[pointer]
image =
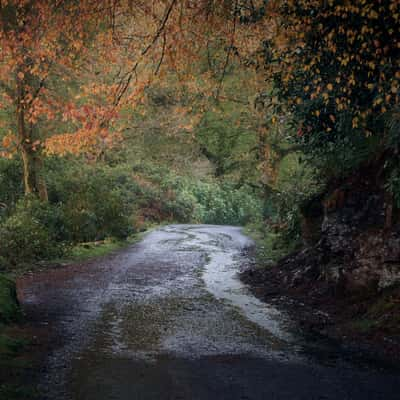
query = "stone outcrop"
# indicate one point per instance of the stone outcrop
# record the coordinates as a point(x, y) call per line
point(345, 282)
point(357, 249)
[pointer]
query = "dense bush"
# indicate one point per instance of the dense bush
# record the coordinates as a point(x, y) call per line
point(334, 96)
point(223, 203)
point(85, 204)
point(93, 202)
point(296, 183)
point(9, 307)
point(30, 233)
point(11, 185)
point(341, 78)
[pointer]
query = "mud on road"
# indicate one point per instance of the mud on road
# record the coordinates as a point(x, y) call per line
point(168, 318)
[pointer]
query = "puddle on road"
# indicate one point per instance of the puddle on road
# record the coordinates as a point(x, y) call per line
point(222, 281)
point(172, 320)
point(220, 277)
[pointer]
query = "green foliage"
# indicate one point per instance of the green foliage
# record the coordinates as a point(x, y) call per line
point(86, 204)
point(393, 185)
point(85, 251)
point(95, 213)
point(93, 199)
point(341, 78)
point(9, 307)
point(223, 203)
point(157, 192)
point(392, 124)
point(227, 137)
point(271, 244)
point(392, 165)
point(25, 235)
point(11, 186)
point(93, 202)
point(296, 183)
point(334, 69)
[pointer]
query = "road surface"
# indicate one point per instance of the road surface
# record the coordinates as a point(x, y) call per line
point(167, 318)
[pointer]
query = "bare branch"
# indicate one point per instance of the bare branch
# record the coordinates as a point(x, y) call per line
point(229, 52)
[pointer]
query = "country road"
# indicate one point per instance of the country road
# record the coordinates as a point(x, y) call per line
point(167, 318)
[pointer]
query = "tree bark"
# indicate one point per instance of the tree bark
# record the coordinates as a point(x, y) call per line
point(34, 182)
point(33, 173)
point(30, 152)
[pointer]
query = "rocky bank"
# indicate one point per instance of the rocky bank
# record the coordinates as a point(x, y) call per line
point(345, 282)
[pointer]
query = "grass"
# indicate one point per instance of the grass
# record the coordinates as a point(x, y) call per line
point(91, 250)
point(87, 251)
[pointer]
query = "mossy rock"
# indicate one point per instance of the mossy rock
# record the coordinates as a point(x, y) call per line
point(9, 306)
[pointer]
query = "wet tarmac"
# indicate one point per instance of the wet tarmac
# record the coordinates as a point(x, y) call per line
point(168, 318)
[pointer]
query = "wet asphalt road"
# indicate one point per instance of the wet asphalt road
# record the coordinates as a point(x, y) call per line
point(168, 319)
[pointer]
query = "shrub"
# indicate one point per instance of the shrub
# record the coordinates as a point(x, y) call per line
point(25, 238)
point(341, 81)
point(94, 202)
point(9, 307)
point(49, 215)
point(224, 204)
point(11, 187)
point(97, 201)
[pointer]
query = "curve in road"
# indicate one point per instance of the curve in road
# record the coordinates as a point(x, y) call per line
point(168, 319)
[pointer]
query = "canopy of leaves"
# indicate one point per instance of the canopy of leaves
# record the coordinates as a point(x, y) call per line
point(338, 71)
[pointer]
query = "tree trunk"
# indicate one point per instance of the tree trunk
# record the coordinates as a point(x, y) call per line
point(33, 179)
point(31, 155)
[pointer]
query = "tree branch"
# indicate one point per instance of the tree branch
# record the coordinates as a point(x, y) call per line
point(126, 80)
point(229, 52)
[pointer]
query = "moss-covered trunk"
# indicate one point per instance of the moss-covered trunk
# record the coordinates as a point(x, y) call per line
point(33, 173)
point(29, 146)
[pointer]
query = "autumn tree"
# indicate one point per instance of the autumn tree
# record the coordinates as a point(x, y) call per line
point(40, 41)
point(102, 59)
point(337, 69)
